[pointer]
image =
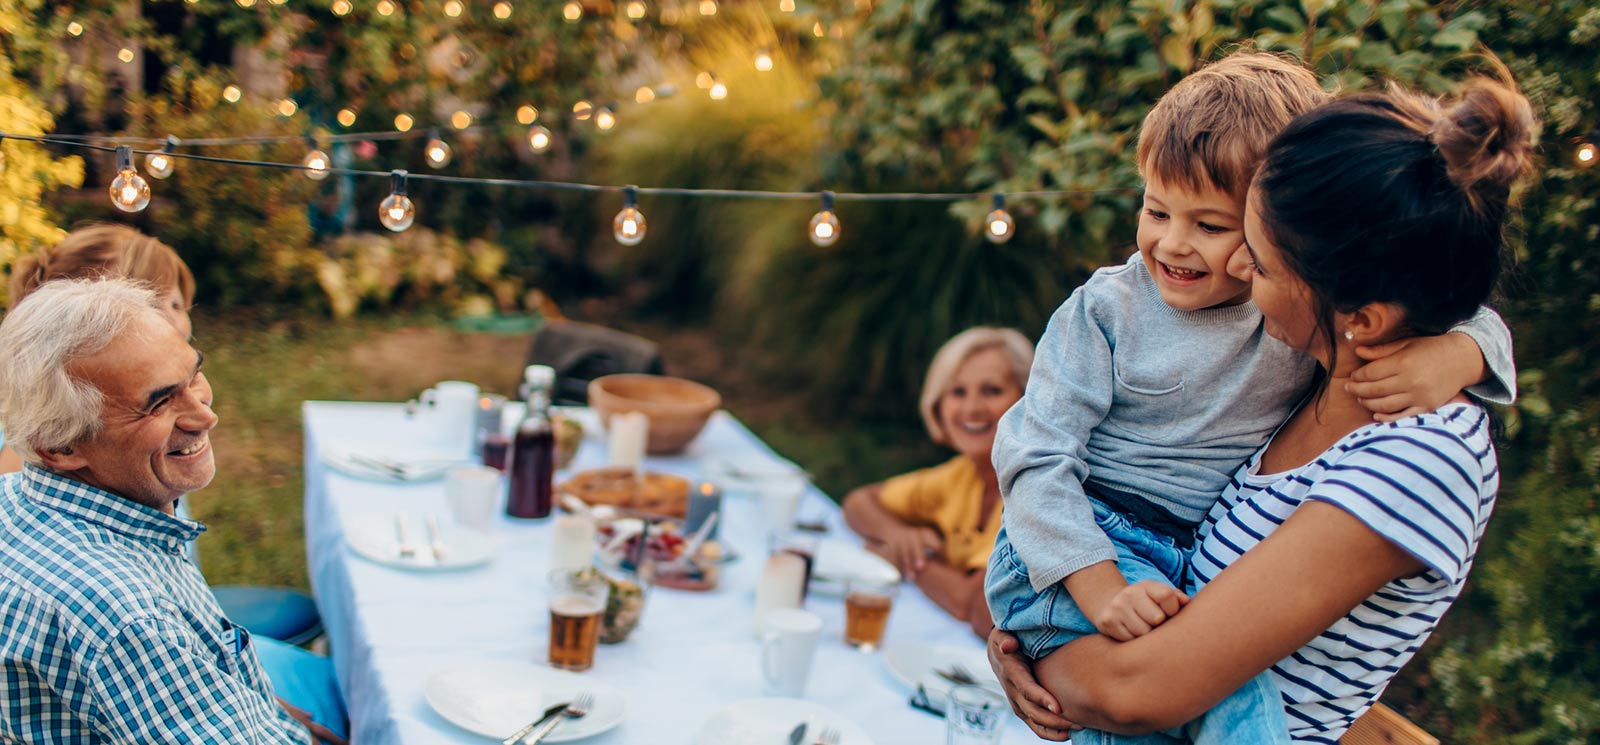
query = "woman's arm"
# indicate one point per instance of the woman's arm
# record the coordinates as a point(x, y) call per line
point(905, 545)
point(1303, 578)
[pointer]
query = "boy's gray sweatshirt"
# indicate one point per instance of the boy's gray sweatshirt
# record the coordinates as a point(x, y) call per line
point(1151, 402)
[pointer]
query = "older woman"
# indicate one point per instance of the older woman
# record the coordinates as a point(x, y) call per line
point(937, 525)
point(1331, 556)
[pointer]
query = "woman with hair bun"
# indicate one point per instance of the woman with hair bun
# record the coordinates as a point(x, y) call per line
point(1330, 558)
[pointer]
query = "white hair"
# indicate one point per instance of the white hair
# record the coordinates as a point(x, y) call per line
point(42, 406)
point(961, 347)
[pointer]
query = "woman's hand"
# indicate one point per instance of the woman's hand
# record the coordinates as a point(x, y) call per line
point(1030, 701)
point(908, 548)
point(1139, 608)
point(1416, 375)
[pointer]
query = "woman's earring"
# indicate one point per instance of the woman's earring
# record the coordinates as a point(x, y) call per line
point(1349, 335)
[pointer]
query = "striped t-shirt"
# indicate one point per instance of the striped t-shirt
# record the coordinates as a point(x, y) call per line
point(1427, 484)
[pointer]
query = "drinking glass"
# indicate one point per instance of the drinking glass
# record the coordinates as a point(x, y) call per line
point(866, 611)
point(473, 493)
point(577, 602)
point(975, 716)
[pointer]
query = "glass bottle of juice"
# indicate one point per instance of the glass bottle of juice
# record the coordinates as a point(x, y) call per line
point(533, 448)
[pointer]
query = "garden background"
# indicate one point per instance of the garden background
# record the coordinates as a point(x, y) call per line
point(821, 350)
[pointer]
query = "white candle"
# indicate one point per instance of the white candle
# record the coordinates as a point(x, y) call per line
point(572, 546)
point(782, 581)
point(630, 430)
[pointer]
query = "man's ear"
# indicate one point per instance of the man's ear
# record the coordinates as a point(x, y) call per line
point(64, 460)
point(1374, 323)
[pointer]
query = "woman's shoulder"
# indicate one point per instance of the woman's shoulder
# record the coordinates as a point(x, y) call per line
point(1455, 432)
point(957, 469)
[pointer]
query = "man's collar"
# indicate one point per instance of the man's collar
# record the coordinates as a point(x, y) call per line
point(103, 508)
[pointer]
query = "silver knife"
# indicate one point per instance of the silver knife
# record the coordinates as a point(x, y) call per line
point(798, 735)
point(435, 543)
point(521, 733)
point(551, 723)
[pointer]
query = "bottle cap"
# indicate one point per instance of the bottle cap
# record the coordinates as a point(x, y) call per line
point(541, 376)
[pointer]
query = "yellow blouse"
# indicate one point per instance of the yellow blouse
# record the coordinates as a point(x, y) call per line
point(947, 498)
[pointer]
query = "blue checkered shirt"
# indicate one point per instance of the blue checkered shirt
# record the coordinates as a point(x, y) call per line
point(108, 635)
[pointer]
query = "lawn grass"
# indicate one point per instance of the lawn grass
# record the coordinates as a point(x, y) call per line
point(263, 363)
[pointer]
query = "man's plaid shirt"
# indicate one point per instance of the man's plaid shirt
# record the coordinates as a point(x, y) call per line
point(108, 634)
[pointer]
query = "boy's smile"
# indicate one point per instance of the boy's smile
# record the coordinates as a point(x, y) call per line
point(1186, 239)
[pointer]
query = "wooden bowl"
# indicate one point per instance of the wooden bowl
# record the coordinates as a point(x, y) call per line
point(677, 409)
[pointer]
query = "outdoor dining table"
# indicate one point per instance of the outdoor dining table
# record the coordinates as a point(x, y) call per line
point(693, 654)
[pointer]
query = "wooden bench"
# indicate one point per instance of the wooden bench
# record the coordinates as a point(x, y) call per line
point(1382, 726)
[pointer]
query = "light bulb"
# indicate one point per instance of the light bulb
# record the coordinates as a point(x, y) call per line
point(572, 11)
point(385, 8)
point(129, 191)
point(75, 28)
point(287, 107)
point(461, 120)
point(645, 94)
point(245, 3)
point(583, 110)
point(998, 226)
point(786, 6)
point(160, 164)
point(628, 227)
point(347, 117)
point(453, 8)
point(718, 91)
point(502, 10)
point(403, 122)
point(437, 151)
point(635, 10)
point(527, 114)
point(396, 212)
point(277, 2)
point(231, 94)
point(764, 60)
point(1588, 153)
point(125, 54)
point(708, 7)
point(604, 119)
point(704, 80)
point(824, 228)
point(538, 138)
point(316, 163)
point(342, 7)
point(817, 30)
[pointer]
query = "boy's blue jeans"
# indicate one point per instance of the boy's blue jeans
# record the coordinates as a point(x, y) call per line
point(1044, 621)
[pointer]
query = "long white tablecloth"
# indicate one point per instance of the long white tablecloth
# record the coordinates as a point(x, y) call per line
point(693, 653)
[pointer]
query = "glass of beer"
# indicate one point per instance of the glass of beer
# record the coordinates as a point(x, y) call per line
point(577, 602)
point(866, 611)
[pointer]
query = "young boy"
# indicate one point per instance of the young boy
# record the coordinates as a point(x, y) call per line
point(1155, 380)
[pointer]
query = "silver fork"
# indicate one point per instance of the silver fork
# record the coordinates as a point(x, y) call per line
point(960, 673)
point(578, 709)
point(829, 736)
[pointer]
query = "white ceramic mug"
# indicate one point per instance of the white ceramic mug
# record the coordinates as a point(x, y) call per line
point(780, 502)
point(449, 414)
point(788, 642)
point(474, 496)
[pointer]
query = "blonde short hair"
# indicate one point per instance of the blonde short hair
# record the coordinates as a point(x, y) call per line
point(1211, 130)
point(1015, 347)
point(103, 249)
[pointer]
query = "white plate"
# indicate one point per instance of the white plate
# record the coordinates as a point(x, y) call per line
point(838, 561)
point(373, 537)
point(496, 698)
point(749, 474)
point(914, 665)
point(368, 463)
point(770, 720)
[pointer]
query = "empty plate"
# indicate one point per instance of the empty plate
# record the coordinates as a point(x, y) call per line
point(771, 720)
point(496, 698)
point(375, 537)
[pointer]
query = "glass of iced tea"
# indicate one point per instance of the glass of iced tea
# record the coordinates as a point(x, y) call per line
point(577, 602)
point(866, 611)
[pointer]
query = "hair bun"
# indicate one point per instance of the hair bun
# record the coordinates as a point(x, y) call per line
point(1487, 139)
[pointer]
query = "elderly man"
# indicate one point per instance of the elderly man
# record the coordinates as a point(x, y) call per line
point(107, 634)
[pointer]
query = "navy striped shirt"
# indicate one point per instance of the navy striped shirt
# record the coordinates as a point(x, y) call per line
point(1427, 484)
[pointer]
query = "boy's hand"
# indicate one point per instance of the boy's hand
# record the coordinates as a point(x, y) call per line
point(908, 548)
point(1140, 607)
point(1417, 375)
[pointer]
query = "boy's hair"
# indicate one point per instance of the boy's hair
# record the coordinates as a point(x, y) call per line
point(1211, 130)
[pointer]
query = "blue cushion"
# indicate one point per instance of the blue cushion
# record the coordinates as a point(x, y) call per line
point(280, 613)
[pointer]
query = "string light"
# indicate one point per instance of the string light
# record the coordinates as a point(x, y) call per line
point(396, 212)
point(502, 10)
point(129, 191)
point(817, 30)
point(527, 114)
point(385, 8)
point(437, 151)
point(538, 138)
point(342, 7)
point(645, 94)
point(787, 6)
point(316, 161)
point(824, 228)
point(635, 9)
point(1588, 152)
point(718, 90)
point(231, 94)
point(628, 227)
point(160, 163)
point(125, 54)
point(708, 7)
point(287, 107)
point(583, 110)
point(245, 3)
point(998, 226)
point(453, 8)
point(605, 119)
point(75, 28)
point(703, 80)
point(277, 2)
point(572, 11)
point(461, 120)
point(764, 60)
point(347, 117)
point(403, 122)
